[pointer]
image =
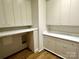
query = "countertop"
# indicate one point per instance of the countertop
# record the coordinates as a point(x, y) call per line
point(12, 32)
point(62, 36)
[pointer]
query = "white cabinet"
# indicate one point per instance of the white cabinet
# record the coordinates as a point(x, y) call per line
point(22, 12)
point(78, 51)
point(66, 49)
point(74, 13)
point(70, 12)
point(11, 45)
point(8, 12)
point(61, 47)
point(53, 12)
point(49, 43)
point(63, 12)
point(70, 49)
point(15, 13)
point(2, 19)
point(58, 12)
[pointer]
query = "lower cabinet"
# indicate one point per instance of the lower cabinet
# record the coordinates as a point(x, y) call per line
point(63, 48)
point(48, 43)
point(78, 51)
point(70, 49)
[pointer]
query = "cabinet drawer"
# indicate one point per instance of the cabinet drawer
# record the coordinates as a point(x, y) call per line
point(64, 48)
point(69, 49)
point(49, 43)
point(59, 47)
point(77, 51)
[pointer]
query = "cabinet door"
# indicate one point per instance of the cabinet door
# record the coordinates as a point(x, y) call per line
point(2, 17)
point(1, 49)
point(22, 12)
point(53, 12)
point(78, 51)
point(65, 12)
point(49, 43)
point(17, 12)
point(70, 49)
point(11, 45)
point(26, 12)
point(8, 12)
point(74, 13)
point(59, 48)
point(70, 12)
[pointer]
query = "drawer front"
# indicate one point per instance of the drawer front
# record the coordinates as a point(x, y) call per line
point(49, 43)
point(59, 47)
point(77, 51)
point(66, 49)
point(70, 49)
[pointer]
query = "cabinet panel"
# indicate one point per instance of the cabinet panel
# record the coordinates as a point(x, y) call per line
point(49, 43)
point(78, 51)
point(11, 45)
point(2, 18)
point(28, 12)
point(58, 12)
point(17, 12)
point(64, 48)
point(70, 12)
point(53, 12)
point(23, 8)
point(22, 12)
point(8, 12)
point(70, 49)
point(59, 47)
point(74, 13)
point(65, 12)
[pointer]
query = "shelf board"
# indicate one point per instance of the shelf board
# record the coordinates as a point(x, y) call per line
point(12, 32)
point(62, 36)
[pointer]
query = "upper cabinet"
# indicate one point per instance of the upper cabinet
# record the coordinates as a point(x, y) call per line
point(22, 12)
point(63, 12)
point(53, 12)
point(2, 19)
point(15, 13)
point(8, 12)
point(74, 13)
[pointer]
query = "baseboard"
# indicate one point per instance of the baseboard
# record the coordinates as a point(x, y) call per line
point(55, 53)
point(36, 50)
point(41, 50)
